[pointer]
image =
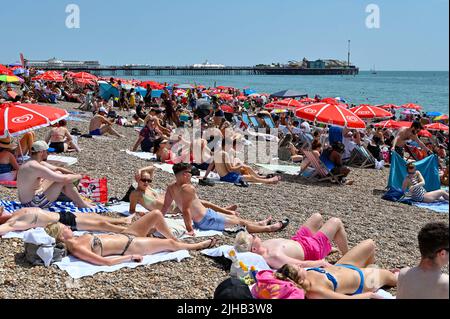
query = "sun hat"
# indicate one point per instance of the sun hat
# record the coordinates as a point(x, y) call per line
point(7, 143)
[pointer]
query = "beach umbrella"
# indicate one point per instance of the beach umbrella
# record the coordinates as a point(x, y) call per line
point(331, 114)
point(424, 133)
point(411, 106)
point(433, 114)
point(85, 75)
point(249, 91)
point(388, 124)
point(365, 111)
point(278, 111)
point(242, 98)
point(16, 118)
point(441, 118)
point(153, 85)
point(5, 70)
point(307, 100)
point(389, 106)
point(10, 78)
point(225, 96)
point(84, 81)
point(107, 90)
point(227, 108)
point(179, 92)
point(289, 94)
point(51, 76)
point(289, 104)
point(436, 127)
point(331, 100)
point(410, 112)
point(19, 71)
point(184, 86)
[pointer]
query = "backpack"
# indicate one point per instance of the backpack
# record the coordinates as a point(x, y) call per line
point(59, 252)
point(269, 287)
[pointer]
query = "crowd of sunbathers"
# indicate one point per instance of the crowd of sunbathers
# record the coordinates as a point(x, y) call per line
point(300, 260)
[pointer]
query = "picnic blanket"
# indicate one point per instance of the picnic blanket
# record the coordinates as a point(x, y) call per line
point(142, 155)
point(285, 169)
point(11, 206)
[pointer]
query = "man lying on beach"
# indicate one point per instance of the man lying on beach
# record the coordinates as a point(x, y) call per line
point(33, 193)
point(231, 171)
point(27, 218)
point(307, 248)
point(130, 245)
point(203, 214)
point(151, 200)
point(100, 125)
point(406, 134)
point(426, 281)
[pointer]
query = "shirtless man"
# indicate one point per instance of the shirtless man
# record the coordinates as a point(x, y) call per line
point(27, 218)
point(33, 193)
point(426, 281)
point(230, 171)
point(152, 200)
point(203, 214)
point(100, 125)
point(406, 134)
point(307, 248)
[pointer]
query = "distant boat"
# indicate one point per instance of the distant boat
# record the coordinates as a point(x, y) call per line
point(373, 71)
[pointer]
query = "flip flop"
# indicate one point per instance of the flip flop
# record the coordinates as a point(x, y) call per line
point(284, 224)
point(212, 244)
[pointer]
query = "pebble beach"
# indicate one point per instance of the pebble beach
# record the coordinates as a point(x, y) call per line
point(392, 226)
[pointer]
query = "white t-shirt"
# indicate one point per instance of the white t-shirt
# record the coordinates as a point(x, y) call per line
point(349, 147)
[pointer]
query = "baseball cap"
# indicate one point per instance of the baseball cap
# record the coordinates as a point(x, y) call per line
point(39, 146)
point(102, 110)
point(232, 288)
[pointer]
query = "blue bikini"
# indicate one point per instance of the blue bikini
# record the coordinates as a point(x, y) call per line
point(333, 280)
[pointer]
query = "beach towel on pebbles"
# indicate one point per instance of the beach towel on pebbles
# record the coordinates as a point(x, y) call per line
point(77, 268)
point(57, 207)
point(142, 155)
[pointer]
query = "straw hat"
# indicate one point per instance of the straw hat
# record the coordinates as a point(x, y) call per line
point(7, 143)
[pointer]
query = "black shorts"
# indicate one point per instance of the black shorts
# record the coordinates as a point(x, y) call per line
point(58, 146)
point(68, 219)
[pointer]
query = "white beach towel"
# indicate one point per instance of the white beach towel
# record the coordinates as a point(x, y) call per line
point(142, 155)
point(286, 169)
point(62, 161)
point(102, 138)
point(77, 268)
point(123, 208)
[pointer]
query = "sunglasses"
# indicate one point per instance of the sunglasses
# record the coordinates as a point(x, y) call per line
point(146, 180)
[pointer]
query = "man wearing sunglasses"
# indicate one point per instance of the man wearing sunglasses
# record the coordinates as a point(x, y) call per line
point(204, 215)
point(426, 281)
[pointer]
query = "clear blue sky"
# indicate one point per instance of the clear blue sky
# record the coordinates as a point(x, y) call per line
point(413, 34)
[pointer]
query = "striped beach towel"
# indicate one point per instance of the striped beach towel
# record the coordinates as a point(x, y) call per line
point(56, 207)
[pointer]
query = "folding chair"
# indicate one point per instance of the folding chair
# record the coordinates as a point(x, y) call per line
point(322, 172)
point(254, 122)
point(361, 158)
point(269, 122)
point(246, 119)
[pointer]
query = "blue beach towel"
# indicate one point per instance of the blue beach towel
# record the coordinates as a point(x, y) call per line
point(56, 207)
point(429, 167)
point(439, 207)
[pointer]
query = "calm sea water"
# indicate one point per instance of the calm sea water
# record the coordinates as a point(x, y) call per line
point(429, 89)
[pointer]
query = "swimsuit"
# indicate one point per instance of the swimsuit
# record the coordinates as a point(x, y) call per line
point(58, 146)
point(40, 200)
point(232, 177)
point(315, 246)
point(96, 132)
point(418, 193)
point(97, 242)
point(68, 219)
point(211, 221)
point(6, 168)
point(333, 280)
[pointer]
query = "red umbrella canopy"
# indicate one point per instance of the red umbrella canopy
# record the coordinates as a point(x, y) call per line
point(290, 104)
point(85, 81)
point(154, 85)
point(16, 118)
point(389, 106)
point(85, 75)
point(307, 100)
point(224, 96)
point(365, 111)
point(411, 106)
point(388, 124)
point(242, 98)
point(436, 127)
point(5, 70)
point(332, 114)
point(227, 108)
point(52, 76)
point(425, 133)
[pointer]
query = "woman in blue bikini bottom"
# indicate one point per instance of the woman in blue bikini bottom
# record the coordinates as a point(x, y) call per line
point(350, 278)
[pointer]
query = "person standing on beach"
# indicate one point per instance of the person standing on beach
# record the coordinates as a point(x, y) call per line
point(426, 281)
point(33, 193)
point(205, 215)
point(406, 134)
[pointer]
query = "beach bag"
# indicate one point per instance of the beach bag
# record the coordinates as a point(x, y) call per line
point(395, 194)
point(269, 287)
point(31, 255)
point(96, 189)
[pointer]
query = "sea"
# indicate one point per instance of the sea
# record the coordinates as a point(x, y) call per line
point(429, 89)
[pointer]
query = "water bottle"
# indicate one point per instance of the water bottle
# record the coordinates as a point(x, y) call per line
point(235, 264)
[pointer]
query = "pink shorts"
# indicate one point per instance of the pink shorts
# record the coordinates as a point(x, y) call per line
point(315, 247)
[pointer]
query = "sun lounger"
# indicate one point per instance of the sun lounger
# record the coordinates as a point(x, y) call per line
point(269, 122)
point(361, 158)
point(322, 172)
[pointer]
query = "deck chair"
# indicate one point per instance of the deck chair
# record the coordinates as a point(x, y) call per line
point(361, 158)
point(254, 122)
point(269, 122)
point(246, 119)
point(322, 172)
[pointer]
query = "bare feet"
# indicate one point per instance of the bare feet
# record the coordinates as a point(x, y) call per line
point(232, 208)
point(207, 244)
point(274, 180)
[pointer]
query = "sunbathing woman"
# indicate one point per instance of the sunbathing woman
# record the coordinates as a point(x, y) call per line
point(414, 183)
point(130, 245)
point(60, 139)
point(8, 163)
point(350, 278)
point(151, 200)
point(27, 218)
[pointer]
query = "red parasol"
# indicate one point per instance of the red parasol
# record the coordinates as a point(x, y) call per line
point(365, 111)
point(436, 127)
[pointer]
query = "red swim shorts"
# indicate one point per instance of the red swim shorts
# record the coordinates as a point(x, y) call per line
point(315, 246)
